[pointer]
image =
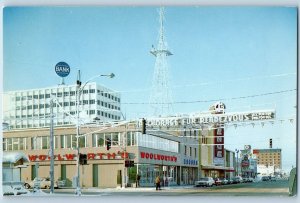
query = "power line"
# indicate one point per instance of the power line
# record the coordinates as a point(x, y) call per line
point(220, 99)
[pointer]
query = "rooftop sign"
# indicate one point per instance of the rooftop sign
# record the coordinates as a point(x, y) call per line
point(62, 69)
point(212, 118)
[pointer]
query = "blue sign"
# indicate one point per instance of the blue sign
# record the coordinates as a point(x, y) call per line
point(62, 69)
point(190, 162)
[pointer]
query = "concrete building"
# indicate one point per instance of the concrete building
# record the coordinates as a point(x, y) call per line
point(268, 157)
point(31, 108)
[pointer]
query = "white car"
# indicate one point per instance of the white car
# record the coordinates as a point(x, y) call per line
point(207, 182)
point(44, 183)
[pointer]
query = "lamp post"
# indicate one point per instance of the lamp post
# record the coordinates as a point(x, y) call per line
point(79, 90)
point(237, 161)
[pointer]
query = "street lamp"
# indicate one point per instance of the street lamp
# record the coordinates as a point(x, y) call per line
point(79, 90)
point(237, 161)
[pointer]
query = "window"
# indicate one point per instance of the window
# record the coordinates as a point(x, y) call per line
point(115, 139)
point(66, 103)
point(59, 94)
point(91, 112)
point(72, 103)
point(190, 151)
point(47, 95)
point(195, 151)
point(92, 101)
point(92, 90)
point(85, 91)
point(66, 94)
point(18, 98)
point(185, 149)
point(72, 93)
point(98, 140)
point(41, 96)
point(85, 102)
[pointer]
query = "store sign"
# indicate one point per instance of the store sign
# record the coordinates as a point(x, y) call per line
point(190, 162)
point(71, 157)
point(211, 118)
point(219, 146)
point(160, 157)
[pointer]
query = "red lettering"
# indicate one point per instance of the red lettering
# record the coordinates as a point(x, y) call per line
point(91, 156)
point(100, 155)
point(69, 156)
point(59, 157)
point(142, 155)
point(32, 157)
point(113, 155)
point(124, 155)
point(162, 157)
point(155, 156)
point(151, 156)
point(158, 157)
point(147, 155)
point(42, 157)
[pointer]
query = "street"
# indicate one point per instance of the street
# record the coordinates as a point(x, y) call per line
point(264, 188)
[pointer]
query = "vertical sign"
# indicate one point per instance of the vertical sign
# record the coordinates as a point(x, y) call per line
point(219, 146)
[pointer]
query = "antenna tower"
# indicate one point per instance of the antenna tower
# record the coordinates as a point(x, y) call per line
point(161, 95)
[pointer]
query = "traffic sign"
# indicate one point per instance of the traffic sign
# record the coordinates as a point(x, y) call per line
point(62, 69)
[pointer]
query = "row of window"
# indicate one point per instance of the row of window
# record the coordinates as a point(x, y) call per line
point(64, 104)
point(98, 140)
point(190, 151)
point(66, 94)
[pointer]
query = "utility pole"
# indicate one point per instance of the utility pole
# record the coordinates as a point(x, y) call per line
point(51, 148)
point(78, 91)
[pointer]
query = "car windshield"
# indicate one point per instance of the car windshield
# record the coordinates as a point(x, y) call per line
point(203, 179)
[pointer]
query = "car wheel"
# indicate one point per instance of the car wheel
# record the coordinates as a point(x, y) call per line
point(47, 186)
point(26, 185)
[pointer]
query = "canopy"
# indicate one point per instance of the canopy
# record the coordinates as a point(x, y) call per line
point(14, 157)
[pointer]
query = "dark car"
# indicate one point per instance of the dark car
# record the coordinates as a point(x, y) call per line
point(217, 181)
point(265, 178)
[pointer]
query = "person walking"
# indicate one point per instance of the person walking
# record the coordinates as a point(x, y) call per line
point(137, 180)
point(157, 183)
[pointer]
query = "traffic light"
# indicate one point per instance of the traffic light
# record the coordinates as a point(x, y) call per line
point(82, 159)
point(143, 126)
point(271, 144)
point(129, 163)
point(108, 144)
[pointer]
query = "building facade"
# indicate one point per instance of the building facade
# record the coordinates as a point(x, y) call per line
point(268, 157)
point(31, 108)
point(173, 158)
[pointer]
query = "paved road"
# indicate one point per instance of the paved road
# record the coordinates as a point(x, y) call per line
point(277, 188)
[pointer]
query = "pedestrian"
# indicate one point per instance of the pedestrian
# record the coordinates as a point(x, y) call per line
point(157, 183)
point(137, 180)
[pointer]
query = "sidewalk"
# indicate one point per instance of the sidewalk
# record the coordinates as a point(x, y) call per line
point(133, 189)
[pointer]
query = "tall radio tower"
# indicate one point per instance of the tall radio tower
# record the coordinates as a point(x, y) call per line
point(161, 95)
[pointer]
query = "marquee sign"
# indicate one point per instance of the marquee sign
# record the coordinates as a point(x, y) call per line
point(219, 146)
point(211, 118)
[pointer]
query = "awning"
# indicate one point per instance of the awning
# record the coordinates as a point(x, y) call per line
point(221, 168)
point(14, 157)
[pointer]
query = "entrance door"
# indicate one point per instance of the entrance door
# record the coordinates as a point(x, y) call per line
point(119, 177)
point(95, 175)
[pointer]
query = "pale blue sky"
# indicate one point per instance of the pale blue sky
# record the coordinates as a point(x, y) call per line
point(219, 53)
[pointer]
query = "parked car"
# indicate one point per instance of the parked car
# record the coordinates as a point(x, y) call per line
point(273, 178)
point(265, 178)
point(224, 181)
point(207, 182)
point(237, 179)
point(44, 183)
point(230, 181)
point(218, 181)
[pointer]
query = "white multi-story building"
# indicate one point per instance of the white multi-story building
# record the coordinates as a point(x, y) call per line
point(31, 108)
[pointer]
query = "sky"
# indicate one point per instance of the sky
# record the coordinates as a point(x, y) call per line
point(245, 57)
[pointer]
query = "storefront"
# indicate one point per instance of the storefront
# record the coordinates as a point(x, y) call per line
point(152, 156)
